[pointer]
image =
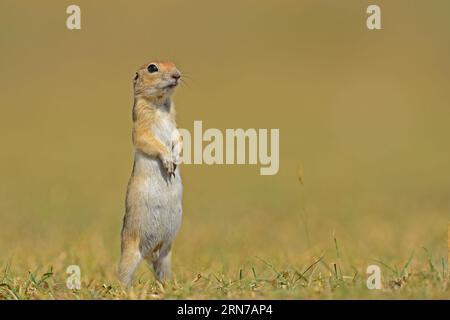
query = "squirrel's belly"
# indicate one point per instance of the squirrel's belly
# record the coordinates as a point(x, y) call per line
point(158, 201)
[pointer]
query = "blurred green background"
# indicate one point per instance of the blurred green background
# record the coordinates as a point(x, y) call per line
point(364, 113)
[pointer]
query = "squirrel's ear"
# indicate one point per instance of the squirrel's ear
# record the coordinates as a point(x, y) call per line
point(136, 76)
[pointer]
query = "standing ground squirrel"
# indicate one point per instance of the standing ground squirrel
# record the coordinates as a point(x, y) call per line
point(153, 201)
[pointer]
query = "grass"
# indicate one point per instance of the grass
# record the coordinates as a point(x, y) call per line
point(321, 277)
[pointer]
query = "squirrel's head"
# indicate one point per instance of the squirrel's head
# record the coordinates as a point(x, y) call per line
point(156, 80)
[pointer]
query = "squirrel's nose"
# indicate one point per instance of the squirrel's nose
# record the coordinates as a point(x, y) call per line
point(176, 75)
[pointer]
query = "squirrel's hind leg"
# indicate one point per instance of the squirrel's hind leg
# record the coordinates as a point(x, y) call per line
point(129, 261)
point(162, 264)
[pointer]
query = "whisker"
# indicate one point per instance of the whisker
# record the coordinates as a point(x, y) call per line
point(184, 82)
point(183, 73)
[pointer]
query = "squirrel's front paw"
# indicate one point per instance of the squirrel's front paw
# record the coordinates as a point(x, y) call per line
point(176, 156)
point(177, 148)
point(169, 165)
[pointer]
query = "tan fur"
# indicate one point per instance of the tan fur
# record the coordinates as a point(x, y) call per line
point(153, 201)
point(143, 139)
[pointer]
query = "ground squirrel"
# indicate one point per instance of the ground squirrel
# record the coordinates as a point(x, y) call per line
point(153, 201)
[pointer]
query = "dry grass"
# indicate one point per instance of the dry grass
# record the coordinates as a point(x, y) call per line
point(418, 278)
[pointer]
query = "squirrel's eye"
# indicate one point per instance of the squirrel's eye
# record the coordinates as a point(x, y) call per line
point(152, 68)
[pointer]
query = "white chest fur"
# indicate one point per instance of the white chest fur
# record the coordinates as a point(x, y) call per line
point(164, 128)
